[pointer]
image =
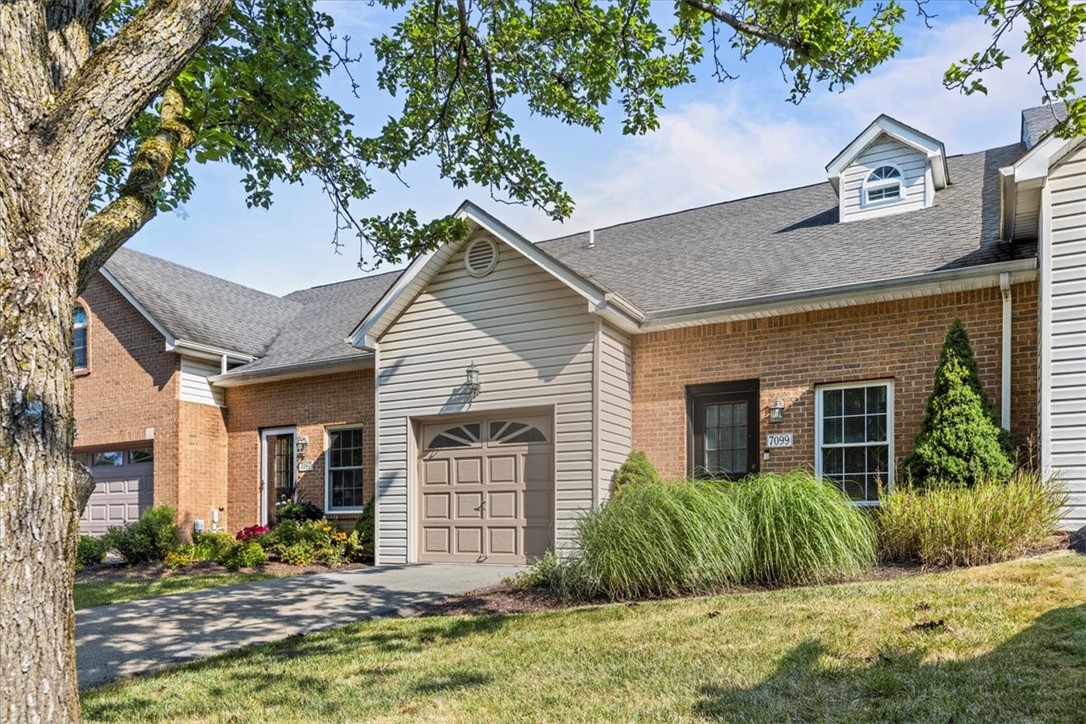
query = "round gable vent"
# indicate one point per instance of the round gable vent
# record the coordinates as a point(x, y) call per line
point(481, 256)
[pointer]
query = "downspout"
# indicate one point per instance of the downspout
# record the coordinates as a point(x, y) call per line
point(1005, 387)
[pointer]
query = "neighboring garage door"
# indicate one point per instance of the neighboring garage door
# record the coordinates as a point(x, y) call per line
point(487, 490)
point(124, 485)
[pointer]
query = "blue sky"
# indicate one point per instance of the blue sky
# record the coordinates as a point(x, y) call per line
point(716, 142)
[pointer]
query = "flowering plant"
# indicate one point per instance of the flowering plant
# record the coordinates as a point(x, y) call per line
point(253, 531)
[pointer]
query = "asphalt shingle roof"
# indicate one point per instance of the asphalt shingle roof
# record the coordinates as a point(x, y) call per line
point(792, 241)
point(202, 308)
point(1037, 122)
point(328, 314)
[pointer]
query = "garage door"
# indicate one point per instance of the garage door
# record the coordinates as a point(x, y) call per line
point(487, 490)
point(124, 485)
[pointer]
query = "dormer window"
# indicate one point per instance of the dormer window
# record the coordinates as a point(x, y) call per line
point(79, 339)
point(883, 185)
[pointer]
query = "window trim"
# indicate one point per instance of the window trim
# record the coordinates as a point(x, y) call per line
point(86, 338)
point(889, 385)
point(869, 185)
point(328, 430)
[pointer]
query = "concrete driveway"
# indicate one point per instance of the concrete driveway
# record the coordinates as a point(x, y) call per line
point(125, 639)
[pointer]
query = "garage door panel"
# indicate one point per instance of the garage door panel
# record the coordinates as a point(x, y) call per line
point(503, 469)
point(435, 472)
point(436, 540)
point(538, 469)
point(502, 505)
point(436, 506)
point(503, 541)
point(469, 471)
point(469, 506)
point(469, 541)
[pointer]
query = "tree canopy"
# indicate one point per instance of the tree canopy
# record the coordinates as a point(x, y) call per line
point(253, 95)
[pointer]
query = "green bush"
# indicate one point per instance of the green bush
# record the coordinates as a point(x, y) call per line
point(366, 530)
point(91, 552)
point(298, 511)
point(150, 539)
point(663, 539)
point(960, 441)
point(637, 469)
point(804, 530)
point(244, 554)
point(953, 526)
point(562, 578)
point(312, 541)
point(206, 546)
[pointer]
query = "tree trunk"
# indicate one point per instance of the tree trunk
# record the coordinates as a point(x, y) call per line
point(38, 478)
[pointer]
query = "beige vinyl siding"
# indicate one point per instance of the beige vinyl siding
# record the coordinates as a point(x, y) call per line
point(885, 150)
point(532, 339)
point(194, 385)
point(614, 407)
point(1026, 214)
point(1066, 265)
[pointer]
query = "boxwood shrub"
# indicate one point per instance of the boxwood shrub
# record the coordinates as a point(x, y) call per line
point(148, 540)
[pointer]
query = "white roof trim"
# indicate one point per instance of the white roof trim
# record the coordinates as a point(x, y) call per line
point(1029, 173)
point(885, 125)
point(608, 305)
point(171, 342)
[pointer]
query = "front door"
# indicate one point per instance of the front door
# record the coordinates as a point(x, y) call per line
point(277, 471)
point(724, 430)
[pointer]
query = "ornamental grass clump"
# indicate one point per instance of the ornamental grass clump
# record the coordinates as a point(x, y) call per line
point(947, 525)
point(804, 530)
point(662, 539)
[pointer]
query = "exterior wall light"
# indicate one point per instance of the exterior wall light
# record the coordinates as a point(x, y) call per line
point(472, 382)
point(776, 411)
point(301, 444)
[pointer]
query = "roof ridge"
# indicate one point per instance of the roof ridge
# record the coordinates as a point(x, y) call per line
point(342, 281)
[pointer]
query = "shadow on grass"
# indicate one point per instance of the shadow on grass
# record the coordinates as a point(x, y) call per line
point(252, 674)
point(1037, 675)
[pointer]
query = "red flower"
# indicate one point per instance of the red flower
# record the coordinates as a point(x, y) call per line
point(253, 531)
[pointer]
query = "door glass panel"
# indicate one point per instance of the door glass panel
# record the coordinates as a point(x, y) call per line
point(725, 438)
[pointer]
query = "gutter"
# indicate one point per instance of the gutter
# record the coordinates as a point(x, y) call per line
point(843, 295)
point(241, 377)
point(1005, 380)
point(207, 351)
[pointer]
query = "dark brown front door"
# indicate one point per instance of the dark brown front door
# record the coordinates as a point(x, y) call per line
point(724, 429)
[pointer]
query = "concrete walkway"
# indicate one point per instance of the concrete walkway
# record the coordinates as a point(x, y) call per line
point(125, 639)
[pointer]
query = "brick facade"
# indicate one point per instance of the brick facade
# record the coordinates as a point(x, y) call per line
point(790, 355)
point(130, 388)
point(309, 404)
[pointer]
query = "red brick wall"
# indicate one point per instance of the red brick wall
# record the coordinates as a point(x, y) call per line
point(310, 404)
point(130, 385)
point(202, 464)
point(791, 354)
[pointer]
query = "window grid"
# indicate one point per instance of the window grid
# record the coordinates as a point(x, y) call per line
point(344, 465)
point(855, 438)
point(726, 438)
point(883, 184)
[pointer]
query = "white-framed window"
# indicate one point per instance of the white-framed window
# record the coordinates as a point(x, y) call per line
point(343, 473)
point(883, 185)
point(854, 437)
point(79, 339)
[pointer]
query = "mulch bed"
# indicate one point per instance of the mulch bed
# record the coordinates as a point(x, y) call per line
point(503, 599)
point(144, 571)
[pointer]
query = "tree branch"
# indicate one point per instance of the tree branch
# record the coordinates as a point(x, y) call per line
point(69, 24)
point(106, 231)
point(24, 72)
point(742, 26)
point(120, 78)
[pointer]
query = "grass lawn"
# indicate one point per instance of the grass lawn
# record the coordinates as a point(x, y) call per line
point(998, 643)
point(99, 593)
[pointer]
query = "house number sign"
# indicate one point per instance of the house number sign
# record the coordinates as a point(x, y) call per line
point(778, 439)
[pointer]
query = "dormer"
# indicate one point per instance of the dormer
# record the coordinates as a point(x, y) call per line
point(890, 168)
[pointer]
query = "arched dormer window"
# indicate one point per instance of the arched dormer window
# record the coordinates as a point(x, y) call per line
point(79, 339)
point(883, 185)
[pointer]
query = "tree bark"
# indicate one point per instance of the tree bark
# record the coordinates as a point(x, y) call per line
point(63, 105)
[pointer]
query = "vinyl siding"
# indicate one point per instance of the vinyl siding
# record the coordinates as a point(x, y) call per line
point(194, 384)
point(532, 339)
point(615, 406)
point(914, 169)
point(1066, 265)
